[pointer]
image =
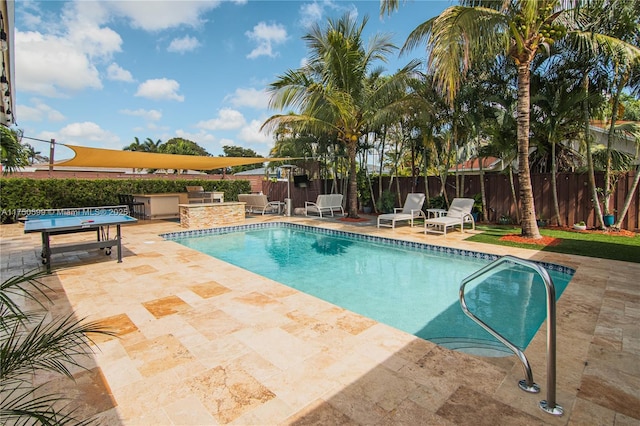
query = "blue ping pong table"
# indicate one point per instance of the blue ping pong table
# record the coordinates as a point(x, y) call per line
point(70, 221)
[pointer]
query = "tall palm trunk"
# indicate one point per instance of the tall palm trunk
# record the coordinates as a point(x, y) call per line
point(627, 201)
point(516, 202)
point(587, 137)
point(529, 225)
point(610, 139)
point(352, 208)
point(483, 192)
point(554, 184)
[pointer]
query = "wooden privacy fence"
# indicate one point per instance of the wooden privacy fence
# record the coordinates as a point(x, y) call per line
point(574, 197)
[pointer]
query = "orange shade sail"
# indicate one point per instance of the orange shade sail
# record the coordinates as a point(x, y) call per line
point(99, 157)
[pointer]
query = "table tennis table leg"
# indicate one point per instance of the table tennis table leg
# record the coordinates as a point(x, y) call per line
point(119, 238)
point(46, 251)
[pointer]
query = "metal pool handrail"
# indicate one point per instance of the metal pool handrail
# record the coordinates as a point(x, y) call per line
point(549, 405)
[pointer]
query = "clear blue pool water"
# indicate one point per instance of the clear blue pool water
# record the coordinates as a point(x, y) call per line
point(410, 286)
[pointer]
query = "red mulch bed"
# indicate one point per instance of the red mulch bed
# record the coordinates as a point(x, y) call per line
point(551, 241)
point(544, 241)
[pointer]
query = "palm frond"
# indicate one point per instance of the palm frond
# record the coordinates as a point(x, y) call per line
point(26, 285)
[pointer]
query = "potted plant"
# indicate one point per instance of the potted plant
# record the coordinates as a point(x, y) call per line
point(608, 219)
point(580, 226)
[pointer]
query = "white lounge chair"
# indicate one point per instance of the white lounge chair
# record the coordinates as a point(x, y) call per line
point(326, 203)
point(458, 214)
point(411, 210)
point(259, 203)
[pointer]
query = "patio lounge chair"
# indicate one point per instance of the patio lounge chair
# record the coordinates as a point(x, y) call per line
point(259, 203)
point(326, 203)
point(412, 209)
point(458, 214)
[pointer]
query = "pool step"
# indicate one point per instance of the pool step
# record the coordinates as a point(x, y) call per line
point(480, 347)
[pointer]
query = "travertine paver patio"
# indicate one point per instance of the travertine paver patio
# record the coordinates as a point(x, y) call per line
point(202, 342)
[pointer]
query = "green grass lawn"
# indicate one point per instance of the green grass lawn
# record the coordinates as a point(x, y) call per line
point(605, 246)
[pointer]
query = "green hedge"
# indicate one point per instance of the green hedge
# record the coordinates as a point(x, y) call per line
point(25, 194)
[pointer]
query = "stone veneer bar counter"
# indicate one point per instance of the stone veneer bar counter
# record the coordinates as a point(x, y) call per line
point(206, 215)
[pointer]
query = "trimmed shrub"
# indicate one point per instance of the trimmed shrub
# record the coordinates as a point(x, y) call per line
point(20, 195)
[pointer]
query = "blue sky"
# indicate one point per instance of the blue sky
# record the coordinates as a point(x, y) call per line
point(99, 73)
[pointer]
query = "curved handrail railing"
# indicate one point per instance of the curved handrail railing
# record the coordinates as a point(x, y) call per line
point(549, 405)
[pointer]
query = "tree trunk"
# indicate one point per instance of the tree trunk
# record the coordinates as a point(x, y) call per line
point(627, 201)
point(587, 137)
point(516, 203)
point(483, 191)
point(383, 138)
point(554, 184)
point(614, 117)
point(352, 207)
point(529, 224)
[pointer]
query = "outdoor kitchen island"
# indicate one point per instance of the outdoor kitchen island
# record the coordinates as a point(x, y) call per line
point(206, 215)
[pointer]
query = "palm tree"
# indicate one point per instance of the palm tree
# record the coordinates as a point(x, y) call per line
point(607, 41)
point(151, 146)
point(13, 154)
point(333, 93)
point(616, 24)
point(557, 110)
point(502, 127)
point(134, 146)
point(464, 34)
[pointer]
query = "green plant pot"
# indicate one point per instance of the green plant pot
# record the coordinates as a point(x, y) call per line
point(608, 219)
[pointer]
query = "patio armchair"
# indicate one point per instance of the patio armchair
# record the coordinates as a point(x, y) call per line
point(259, 203)
point(325, 203)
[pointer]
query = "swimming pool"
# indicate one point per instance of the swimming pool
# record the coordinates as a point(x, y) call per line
point(410, 286)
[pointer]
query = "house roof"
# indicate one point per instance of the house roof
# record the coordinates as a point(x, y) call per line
point(489, 164)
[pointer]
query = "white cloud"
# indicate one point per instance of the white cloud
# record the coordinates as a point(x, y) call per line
point(310, 13)
point(184, 44)
point(151, 15)
point(249, 97)
point(252, 134)
point(38, 112)
point(117, 73)
point(51, 66)
point(150, 115)
point(60, 55)
point(160, 89)
point(228, 119)
point(266, 36)
point(83, 25)
point(86, 133)
point(200, 138)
